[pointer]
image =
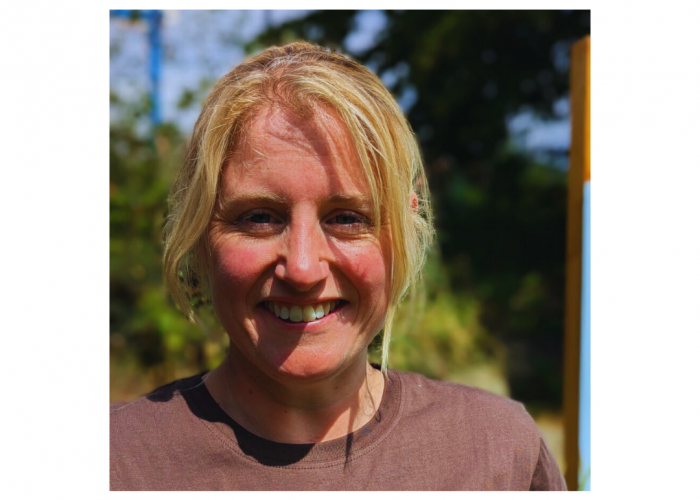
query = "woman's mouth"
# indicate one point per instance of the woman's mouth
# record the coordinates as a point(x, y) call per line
point(293, 313)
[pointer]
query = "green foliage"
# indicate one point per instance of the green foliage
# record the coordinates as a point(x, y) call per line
point(438, 332)
point(146, 329)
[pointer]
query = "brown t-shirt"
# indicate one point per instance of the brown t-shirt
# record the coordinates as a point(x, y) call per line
point(426, 435)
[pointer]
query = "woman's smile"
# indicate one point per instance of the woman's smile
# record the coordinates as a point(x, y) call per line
point(303, 313)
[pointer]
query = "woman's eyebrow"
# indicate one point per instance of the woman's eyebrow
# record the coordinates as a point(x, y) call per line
point(254, 198)
point(262, 198)
point(358, 199)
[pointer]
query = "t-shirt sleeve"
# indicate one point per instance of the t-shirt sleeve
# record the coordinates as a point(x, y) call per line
point(547, 476)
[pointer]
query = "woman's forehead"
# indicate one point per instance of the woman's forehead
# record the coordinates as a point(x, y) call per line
point(278, 131)
point(282, 149)
point(278, 136)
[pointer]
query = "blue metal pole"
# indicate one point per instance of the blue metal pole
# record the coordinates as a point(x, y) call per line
point(125, 14)
point(154, 18)
point(584, 437)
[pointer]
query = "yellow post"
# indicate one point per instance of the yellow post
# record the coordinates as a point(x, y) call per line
point(579, 173)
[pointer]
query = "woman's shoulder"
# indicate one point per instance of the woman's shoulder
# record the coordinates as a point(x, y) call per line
point(472, 407)
point(439, 391)
point(163, 394)
point(492, 433)
point(149, 414)
point(154, 433)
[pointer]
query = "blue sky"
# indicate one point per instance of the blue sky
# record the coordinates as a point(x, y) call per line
point(201, 46)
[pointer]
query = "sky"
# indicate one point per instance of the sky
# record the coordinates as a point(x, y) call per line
point(194, 57)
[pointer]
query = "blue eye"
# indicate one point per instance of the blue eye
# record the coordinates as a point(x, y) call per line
point(347, 219)
point(349, 223)
point(257, 221)
point(260, 218)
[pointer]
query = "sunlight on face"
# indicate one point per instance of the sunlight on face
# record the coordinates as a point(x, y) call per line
point(299, 279)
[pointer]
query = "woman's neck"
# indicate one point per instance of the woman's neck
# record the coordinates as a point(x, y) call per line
point(297, 411)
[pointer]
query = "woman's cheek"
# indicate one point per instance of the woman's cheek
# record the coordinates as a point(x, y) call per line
point(239, 266)
point(368, 268)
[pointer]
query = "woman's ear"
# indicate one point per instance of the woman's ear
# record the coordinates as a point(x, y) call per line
point(413, 200)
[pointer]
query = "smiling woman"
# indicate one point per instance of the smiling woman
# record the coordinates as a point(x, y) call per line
point(303, 210)
point(295, 233)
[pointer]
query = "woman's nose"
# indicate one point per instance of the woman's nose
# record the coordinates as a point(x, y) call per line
point(304, 264)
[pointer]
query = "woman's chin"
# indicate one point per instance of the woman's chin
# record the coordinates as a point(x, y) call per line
point(308, 366)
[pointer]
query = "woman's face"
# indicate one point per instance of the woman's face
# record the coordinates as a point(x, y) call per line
point(299, 280)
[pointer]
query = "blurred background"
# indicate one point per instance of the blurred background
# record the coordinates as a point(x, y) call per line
point(486, 93)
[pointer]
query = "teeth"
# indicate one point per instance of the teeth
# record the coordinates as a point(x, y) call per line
point(284, 313)
point(295, 314)
point(309, 313)
point(302, 313)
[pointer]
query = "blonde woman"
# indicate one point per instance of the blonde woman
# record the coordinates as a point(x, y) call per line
point(302, 209)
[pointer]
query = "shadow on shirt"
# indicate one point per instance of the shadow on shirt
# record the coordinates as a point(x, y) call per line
point(201, 403)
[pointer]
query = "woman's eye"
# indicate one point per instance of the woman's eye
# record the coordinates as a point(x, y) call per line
point(346, 219)
point(349, 222)
point(257, 221)
point(260, 218)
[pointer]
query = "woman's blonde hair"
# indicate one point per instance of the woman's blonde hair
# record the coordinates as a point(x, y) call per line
point(300, 77)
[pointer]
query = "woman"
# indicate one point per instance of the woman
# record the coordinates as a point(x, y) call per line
point(302, 209)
